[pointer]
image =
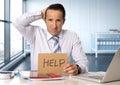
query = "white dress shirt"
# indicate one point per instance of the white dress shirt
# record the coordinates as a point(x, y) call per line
point(39, 41)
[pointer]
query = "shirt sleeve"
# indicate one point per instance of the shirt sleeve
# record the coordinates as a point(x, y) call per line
point(78, 55)
point(23, 24)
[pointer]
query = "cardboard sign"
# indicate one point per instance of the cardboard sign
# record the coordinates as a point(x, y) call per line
point(51, 62)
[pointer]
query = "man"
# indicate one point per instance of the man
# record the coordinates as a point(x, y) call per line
point(40, 39)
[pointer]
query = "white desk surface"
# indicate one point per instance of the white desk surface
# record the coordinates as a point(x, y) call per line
point(66, 81)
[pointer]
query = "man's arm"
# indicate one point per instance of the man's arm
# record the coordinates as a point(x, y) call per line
point(79, 56)
point(23, 24)
point(80, 62)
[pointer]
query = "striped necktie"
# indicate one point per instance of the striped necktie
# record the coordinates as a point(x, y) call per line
point(56, 48)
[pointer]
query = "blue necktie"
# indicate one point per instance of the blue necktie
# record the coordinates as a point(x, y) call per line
point(56, 48)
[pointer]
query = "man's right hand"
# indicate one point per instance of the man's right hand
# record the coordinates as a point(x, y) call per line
point(43, 13)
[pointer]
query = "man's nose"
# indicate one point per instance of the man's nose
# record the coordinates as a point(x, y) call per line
point(54, 24)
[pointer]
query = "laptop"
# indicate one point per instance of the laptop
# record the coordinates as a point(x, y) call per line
point(112, 73)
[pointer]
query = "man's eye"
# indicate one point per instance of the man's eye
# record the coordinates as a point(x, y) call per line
point(49, 19)
point(58, 20)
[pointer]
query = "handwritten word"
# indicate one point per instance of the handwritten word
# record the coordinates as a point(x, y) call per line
point(53, 62)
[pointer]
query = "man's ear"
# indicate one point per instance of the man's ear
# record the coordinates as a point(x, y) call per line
point(64, 21)
point(44, 20)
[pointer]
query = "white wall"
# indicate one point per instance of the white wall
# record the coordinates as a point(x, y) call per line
point(84, 16)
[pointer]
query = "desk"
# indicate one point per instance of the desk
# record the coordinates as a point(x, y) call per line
point(66, 81)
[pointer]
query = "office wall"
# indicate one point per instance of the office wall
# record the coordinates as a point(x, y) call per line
point(84, 16)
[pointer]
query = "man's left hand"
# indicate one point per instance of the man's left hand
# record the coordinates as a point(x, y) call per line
point(71, 69)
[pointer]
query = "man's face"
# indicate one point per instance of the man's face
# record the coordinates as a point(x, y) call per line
point(54, 21)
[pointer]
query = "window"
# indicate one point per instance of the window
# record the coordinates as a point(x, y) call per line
point(11, 41)
point(2, 9)
point(1, 30)
point(1, 41)
point(16, 37)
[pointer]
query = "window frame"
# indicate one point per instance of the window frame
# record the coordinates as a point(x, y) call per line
point(8, 61)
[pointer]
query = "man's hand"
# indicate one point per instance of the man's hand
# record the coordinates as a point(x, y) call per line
point(71, 69)
point(43, 13)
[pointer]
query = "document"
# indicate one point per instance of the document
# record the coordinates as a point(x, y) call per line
point(50, 76)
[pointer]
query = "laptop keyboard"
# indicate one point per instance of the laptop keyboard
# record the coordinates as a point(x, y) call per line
point(96, 77)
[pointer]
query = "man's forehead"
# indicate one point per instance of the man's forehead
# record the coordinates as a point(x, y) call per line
point(53, 10)
point(54, 13)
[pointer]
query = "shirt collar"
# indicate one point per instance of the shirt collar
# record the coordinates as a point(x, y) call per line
point(49, 35)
